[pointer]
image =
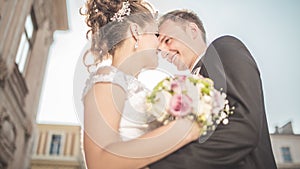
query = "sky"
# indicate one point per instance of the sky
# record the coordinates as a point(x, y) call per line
point(270, 30)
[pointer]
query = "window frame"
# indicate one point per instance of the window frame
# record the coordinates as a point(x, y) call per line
point(22, 58)
point(57, 151)
point(286, 154)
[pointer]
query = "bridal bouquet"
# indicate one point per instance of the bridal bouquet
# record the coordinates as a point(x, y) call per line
point(191, 97)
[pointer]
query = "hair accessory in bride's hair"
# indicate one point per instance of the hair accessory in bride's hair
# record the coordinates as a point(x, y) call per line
point(124, 11)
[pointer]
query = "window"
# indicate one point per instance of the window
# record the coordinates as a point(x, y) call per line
point(286, 154)
point(26, 42)
point(55, 144)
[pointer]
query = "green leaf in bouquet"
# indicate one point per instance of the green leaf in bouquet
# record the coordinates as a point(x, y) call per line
point(206, 83)
point(194, 80)
point(151, 98)
point(160, 85)
point(201, 119)
point(205, 90)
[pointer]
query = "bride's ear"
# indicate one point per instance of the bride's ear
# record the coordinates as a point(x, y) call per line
point(134, 30)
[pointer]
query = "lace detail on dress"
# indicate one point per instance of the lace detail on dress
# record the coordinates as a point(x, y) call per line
point(105, 74)
point(134, 121)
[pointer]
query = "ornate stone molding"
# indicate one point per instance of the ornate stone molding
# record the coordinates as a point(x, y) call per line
point(3, 71)
point(43, 11)
point(54, 11)
point(17, 89)
point(8, 135)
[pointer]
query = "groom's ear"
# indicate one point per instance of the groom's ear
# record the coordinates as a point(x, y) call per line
point(193, 30)
point(134, 30)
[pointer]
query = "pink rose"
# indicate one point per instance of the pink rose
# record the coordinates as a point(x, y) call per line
point(180, 105)
point(181, 78)
point(175, 87)
point(178, 85)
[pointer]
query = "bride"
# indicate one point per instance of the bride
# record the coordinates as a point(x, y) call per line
point(118, 133)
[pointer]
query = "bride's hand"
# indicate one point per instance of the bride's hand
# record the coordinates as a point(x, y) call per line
point(195, 131)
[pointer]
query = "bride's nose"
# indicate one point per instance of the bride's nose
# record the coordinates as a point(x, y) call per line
point(164, 54)
point(163, 48)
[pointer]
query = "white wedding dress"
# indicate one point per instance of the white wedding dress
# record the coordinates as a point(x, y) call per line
point(135, 121)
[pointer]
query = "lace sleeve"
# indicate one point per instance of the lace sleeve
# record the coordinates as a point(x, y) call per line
point(105, 74)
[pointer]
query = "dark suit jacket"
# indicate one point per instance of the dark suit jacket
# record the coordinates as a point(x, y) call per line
point(244, 143)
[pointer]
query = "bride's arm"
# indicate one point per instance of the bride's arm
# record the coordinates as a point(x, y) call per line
point(102, 144)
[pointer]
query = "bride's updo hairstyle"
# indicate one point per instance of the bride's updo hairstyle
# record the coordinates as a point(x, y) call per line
point(107, 34)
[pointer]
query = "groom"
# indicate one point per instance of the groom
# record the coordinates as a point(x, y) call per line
point(242, 144)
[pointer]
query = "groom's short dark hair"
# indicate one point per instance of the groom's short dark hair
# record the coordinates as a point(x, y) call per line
point(183, 16)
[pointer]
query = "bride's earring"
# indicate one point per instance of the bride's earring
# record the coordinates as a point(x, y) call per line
point(136, 45)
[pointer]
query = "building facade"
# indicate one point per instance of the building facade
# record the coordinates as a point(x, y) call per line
point(286, 147)
point(26, 33)
point(57, 147)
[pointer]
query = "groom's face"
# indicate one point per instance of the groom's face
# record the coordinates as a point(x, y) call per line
point(174, 44)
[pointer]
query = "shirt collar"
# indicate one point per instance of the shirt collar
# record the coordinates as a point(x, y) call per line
point(197, 60)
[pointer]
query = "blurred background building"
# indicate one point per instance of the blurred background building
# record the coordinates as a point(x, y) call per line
point(57, 147)
point(26, 33)
point(286, 147)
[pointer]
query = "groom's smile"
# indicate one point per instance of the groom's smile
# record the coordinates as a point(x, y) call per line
point(174, 44)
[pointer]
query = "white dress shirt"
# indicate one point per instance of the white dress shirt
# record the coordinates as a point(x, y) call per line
point(197, 71)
